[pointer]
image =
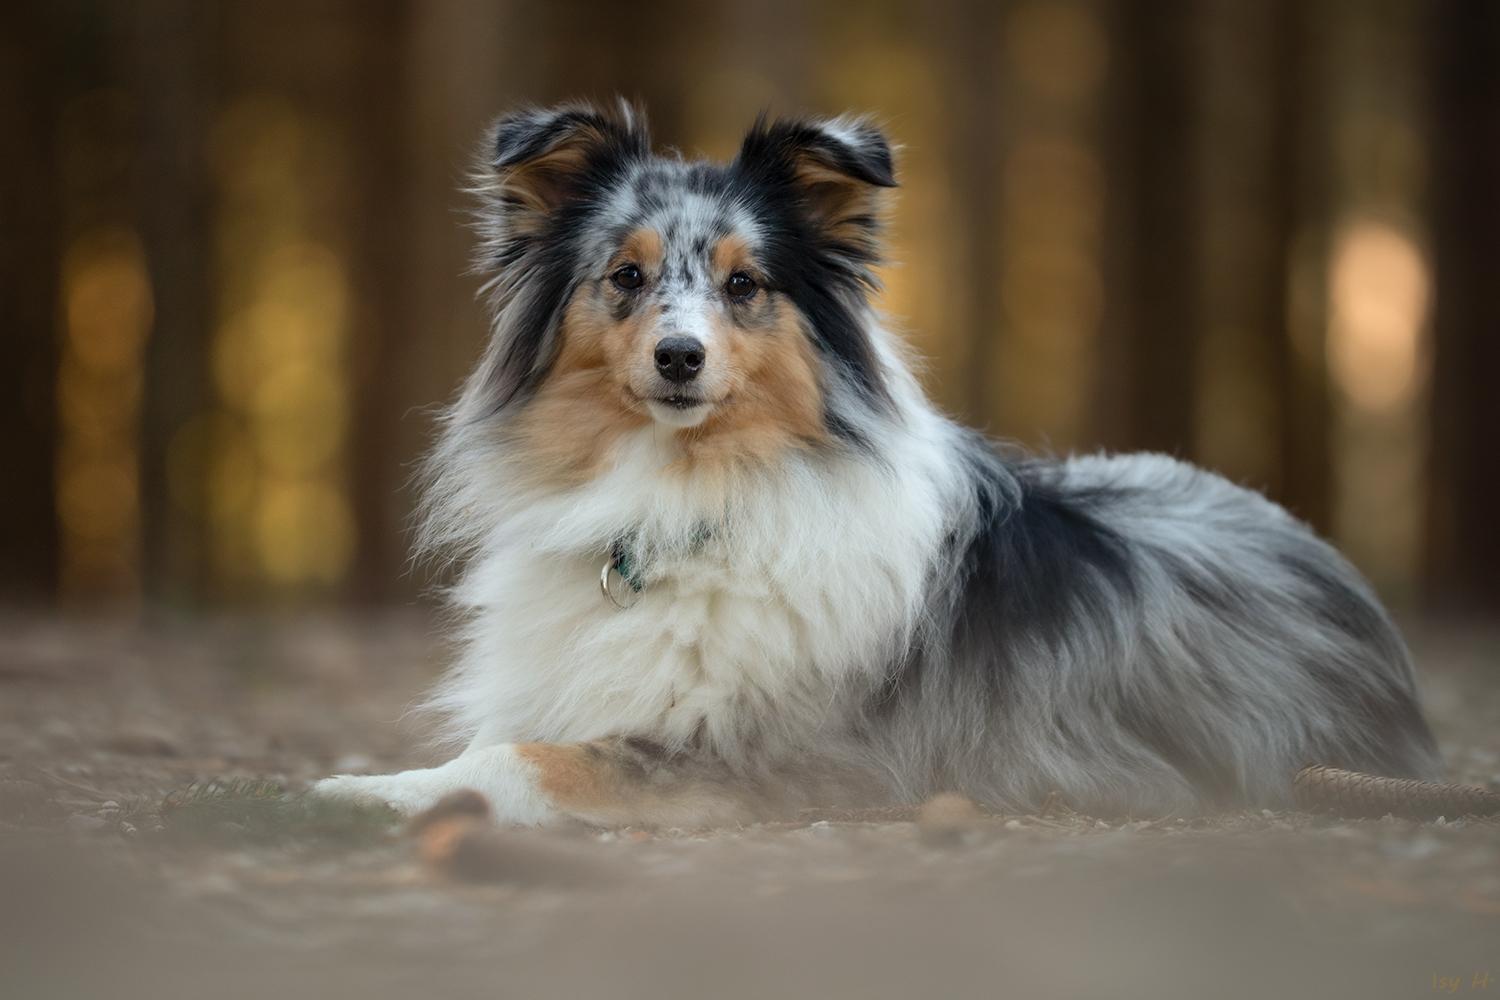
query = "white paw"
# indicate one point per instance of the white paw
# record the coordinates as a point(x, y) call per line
point(508, 782)
point(399, 791)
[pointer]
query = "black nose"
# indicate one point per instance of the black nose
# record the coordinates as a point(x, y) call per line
point(679, 359)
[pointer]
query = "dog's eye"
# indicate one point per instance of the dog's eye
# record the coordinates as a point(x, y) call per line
point(740, 285)
point(628, 277)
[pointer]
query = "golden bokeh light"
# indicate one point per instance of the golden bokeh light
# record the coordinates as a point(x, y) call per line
point(304, 530)
point(107, 316)
point(1058, 50)
point(1051, 289)
point(921, 290)
point(1053, 297)
point(1054, 188)
point(272, 458)
point(1237, 412)
point(1378, 292)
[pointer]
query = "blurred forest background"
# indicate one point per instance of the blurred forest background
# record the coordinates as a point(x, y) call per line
point(1262, 236)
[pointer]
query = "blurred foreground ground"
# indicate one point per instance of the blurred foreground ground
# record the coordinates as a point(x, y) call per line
point(127, 871)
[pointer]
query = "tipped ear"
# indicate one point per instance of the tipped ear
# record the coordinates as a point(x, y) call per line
point(545, 159)
point(836, 168)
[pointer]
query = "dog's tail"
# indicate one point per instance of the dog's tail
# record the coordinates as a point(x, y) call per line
point(1352, 795)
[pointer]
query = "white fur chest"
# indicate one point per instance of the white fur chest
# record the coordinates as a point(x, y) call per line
point(762, 599)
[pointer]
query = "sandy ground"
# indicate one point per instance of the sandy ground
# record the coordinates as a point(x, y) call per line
point(133, 864)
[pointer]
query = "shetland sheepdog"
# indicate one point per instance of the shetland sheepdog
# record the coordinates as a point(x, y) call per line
point(720, 559)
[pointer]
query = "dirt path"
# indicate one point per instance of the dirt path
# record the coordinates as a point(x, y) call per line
point(111, 885)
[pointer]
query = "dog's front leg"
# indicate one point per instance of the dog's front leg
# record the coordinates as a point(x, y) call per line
point(608, 782)
point(497, 772)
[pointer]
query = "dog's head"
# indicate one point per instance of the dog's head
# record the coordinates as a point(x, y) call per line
point(723, 300)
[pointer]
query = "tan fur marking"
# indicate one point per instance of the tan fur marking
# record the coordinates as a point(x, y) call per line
point(571, 776)
point(584, 406)
point(642, 247)
point(541, 183)
point(732, 254)
point(773, 401)
point(606, 781)
point(836, 199)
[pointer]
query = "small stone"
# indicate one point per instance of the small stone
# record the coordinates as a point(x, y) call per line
point(485, 854)
point(465, 806)
point(947, 819)
point(440, 829)
point(79, 823)
point(128, 829)
point(143, 741)
point(455, 839)
point(354, 763)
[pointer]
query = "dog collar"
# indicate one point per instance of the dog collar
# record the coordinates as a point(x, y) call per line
point(623, 564)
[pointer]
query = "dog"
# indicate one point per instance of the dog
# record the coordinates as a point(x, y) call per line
point(817, 591)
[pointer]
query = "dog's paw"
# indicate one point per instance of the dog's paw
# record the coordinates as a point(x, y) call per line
point(506, 781)
point(397, 791)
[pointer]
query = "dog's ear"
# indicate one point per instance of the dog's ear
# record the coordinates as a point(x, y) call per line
point(540, 166)
point(546, 159)
point(835, 169)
